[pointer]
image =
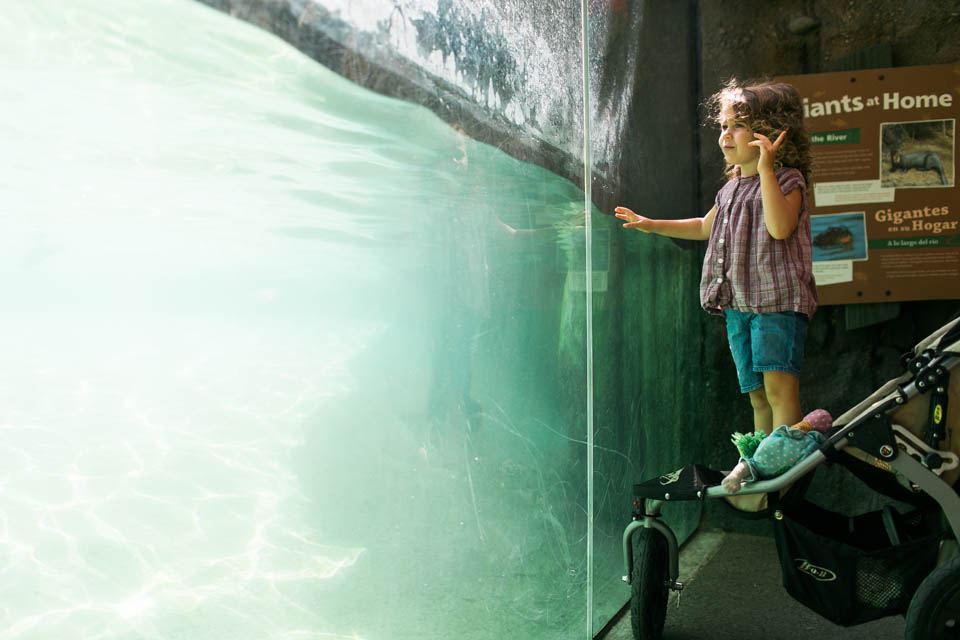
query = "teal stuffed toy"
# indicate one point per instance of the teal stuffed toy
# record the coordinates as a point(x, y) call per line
point(767, 456)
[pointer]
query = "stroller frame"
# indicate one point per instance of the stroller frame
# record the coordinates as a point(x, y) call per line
point(866, 426)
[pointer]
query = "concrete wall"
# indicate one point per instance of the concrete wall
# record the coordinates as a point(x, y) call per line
point(501, 73)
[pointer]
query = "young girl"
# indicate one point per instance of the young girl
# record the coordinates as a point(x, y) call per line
point(758, 269)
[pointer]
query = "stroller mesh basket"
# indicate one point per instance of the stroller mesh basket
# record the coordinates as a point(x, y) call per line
point(855, 569)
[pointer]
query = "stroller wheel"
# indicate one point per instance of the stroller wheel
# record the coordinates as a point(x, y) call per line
point(934, 612)
point(648, 597)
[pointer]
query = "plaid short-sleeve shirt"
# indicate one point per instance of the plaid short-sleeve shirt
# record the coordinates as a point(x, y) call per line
point(747, 269)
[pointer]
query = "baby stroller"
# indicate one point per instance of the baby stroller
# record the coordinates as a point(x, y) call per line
point(849, 570)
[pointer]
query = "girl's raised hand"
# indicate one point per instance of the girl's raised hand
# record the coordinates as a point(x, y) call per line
point(633, 221)
point(768, 150)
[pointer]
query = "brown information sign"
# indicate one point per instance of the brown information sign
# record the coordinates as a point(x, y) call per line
point(885, 213)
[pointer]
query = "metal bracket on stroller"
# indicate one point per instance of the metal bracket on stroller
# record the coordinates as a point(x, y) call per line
point(872, 433)
point(936, 460)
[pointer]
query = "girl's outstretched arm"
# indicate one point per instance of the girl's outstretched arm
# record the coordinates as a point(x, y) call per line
point(687, 229)
point(780, 212)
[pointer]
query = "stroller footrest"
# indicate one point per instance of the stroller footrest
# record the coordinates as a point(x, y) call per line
point(688, 483)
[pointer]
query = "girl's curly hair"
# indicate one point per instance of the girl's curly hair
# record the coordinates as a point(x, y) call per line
point(768, 107)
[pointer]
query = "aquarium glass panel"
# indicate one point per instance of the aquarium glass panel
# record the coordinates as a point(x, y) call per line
point(284, 357)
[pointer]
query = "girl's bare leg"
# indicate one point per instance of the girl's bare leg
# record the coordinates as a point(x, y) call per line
point(762, 411)
point(783, 395)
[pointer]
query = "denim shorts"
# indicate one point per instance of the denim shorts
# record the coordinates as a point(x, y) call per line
point(765, 342)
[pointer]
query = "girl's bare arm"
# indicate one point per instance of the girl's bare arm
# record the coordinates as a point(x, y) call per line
point(780, 212)
point(687, 229)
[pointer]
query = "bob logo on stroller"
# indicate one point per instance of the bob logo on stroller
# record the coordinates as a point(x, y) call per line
point(815, 572)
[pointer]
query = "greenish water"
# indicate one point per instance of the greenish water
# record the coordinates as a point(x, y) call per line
point(283, 358)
